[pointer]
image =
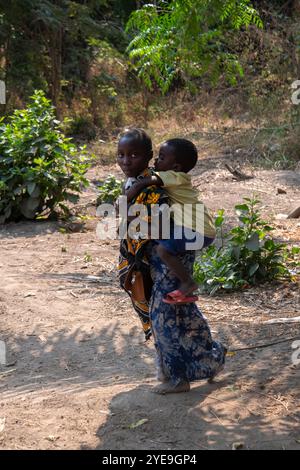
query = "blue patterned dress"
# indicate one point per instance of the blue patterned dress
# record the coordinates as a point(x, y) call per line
point(184, 346)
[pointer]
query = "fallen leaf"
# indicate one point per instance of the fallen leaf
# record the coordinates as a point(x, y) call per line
point(29, 294)
point(237, 445)
point(52, 438)
point(231, 353)
point(281, 191)
point(42, 339)
point(139, 423)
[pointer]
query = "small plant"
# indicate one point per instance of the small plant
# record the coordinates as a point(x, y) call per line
point(40, 168)
point(87, 258)
point(248, 257)
point(110, 190)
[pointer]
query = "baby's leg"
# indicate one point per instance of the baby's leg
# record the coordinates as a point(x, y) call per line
point(187, 283)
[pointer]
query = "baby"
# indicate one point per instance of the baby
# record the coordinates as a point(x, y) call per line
point(177, 157)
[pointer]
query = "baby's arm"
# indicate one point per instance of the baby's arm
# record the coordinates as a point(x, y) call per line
point(135, 190)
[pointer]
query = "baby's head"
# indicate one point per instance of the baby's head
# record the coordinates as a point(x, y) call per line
point(134, 152)
point(177, 155)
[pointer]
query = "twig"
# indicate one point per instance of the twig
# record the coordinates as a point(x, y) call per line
point(269, 396)
point(7, 372)
point(265, 345)
point(226, 403)
point(238, 174)
point(217, 417)
point(282, 320)
point(290, 413)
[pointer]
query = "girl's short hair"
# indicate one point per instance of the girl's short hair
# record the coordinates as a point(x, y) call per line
point(185, 153)
point(141, 137)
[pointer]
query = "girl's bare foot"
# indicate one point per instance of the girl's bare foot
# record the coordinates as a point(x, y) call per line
point(168, 387)
point(161, 377)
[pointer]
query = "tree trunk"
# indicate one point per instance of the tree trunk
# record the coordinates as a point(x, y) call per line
point(295, 13)
point(55, 54)
point(296, 8)
point(4, 64)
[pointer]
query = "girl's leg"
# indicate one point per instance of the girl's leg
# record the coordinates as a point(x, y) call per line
point(181, 334)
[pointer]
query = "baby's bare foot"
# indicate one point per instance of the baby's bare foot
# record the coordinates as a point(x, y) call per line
point(188, 287)
point(168, 387)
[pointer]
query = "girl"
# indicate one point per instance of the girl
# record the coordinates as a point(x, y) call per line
point(184, 346)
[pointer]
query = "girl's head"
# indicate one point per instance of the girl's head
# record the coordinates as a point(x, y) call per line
point(177, 155)
point(134, 152)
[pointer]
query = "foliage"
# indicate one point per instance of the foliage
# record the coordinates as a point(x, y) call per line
point(110, 190)
point(250, 256)
point(45, 43)
point(39, 167)
point(187, 38)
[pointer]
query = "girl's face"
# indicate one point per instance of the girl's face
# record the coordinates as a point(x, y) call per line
point(131, 157)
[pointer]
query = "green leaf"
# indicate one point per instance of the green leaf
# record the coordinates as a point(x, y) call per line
point(139, 423)
point(269, 245)
point(31, 187)
point(236, 251)
point(242, 207)
point(74, 198)
point(29, 206)
point(253, 242)
point(18, 191)
point(253, 269)
point(220, 218)
point(36, 193)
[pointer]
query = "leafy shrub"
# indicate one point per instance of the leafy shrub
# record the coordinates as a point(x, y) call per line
point(82, 127)
point(250, 256)
point(187, 38)
point(110, 190)
point(39, 167)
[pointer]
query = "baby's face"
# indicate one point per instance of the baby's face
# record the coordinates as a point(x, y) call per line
point(131, 158)
point(166, 159)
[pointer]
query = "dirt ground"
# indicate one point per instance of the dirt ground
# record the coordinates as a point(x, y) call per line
point(79, 374)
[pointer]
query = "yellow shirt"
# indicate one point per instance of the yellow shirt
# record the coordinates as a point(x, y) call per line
point(187, 210)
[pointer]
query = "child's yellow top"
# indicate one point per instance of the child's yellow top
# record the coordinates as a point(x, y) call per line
point(188, 210)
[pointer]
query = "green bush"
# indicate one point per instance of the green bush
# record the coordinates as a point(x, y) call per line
point(110, 190)
point(249, 256)
point(82, 127)
point(39, 167)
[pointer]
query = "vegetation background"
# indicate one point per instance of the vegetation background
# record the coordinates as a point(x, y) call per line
point(219, 72)
point(194, 64)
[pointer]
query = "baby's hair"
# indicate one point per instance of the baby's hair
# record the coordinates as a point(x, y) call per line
point(185, 152)
point(141, 137)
